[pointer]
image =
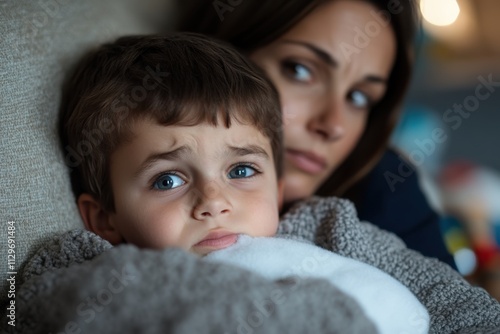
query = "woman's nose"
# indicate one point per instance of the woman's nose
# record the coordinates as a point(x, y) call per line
point(211, 203)
point(329, 121)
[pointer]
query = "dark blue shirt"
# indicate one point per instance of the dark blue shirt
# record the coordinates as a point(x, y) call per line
point(390, 197)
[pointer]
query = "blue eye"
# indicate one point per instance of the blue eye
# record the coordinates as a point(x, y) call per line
point(167, 182)
point(297, 71)
point(359, 99)
point(240, 172)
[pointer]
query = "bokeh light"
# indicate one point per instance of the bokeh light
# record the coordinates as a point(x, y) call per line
point(440, 12)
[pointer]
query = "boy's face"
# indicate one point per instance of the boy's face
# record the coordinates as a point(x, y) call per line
point(193, 187)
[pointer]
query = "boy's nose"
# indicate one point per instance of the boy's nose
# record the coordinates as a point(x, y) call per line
point(211, 203)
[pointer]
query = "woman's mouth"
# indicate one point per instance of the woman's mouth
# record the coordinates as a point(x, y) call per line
point(217, 240)
point(308, 162)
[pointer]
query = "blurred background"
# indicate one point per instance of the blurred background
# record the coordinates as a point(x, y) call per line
point(451, 60)
point(451, 129)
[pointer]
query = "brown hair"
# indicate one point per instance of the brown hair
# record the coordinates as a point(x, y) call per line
point(250, 24)
point(175, 79)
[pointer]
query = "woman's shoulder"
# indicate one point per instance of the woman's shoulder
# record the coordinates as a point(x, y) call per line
point(392, 191)
point(391, 197)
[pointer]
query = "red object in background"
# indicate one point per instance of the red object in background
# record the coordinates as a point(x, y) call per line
point(472, 194)
point(486, 255)
point(458, 174)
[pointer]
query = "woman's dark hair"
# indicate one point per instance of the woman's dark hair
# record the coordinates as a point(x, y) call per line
point(250, 24)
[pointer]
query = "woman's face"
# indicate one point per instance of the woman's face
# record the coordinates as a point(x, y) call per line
point(329, 69)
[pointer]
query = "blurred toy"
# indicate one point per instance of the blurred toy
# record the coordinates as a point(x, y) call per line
point(458, 243)
point(471, 195)
point(466, 196)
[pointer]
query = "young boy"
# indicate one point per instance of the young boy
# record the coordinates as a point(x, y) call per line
point(191, 153)
point(180, 139)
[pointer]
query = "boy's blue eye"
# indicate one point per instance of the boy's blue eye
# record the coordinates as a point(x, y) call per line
point(167, 182)
point(240, 172)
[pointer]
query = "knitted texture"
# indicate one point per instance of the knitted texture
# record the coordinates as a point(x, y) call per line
point(72, 247)
point(453, 304)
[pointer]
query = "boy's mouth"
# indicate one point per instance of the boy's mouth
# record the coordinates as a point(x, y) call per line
point(217, 240)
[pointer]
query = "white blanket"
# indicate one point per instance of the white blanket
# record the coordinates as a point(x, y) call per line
point(391, 306)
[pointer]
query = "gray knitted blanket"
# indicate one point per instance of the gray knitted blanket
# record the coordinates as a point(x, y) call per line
point(79, 283)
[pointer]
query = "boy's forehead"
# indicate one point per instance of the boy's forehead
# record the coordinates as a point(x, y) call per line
point(198, 137)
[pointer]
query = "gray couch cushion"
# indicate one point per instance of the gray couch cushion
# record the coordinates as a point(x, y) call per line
point(39, 42)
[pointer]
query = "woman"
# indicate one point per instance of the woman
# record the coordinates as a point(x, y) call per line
point(342, 69)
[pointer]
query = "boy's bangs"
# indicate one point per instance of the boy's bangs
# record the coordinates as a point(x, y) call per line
point(191, 106)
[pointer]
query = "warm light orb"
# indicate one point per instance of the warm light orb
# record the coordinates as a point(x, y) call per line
point(440, 12)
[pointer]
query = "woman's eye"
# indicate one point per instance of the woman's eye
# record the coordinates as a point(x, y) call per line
point(240, 172)
point(297, 71)
point(359, 99)
point(167, 182)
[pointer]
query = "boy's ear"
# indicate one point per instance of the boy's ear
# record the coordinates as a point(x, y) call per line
point(97, 220)
point(281, 192)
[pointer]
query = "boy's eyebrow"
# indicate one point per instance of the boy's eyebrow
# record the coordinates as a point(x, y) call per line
point(182, 150)
point(248, 150)
point(153, 158)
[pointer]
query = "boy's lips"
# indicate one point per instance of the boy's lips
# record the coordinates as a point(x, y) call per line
point(308, 162)
point(217, 240)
